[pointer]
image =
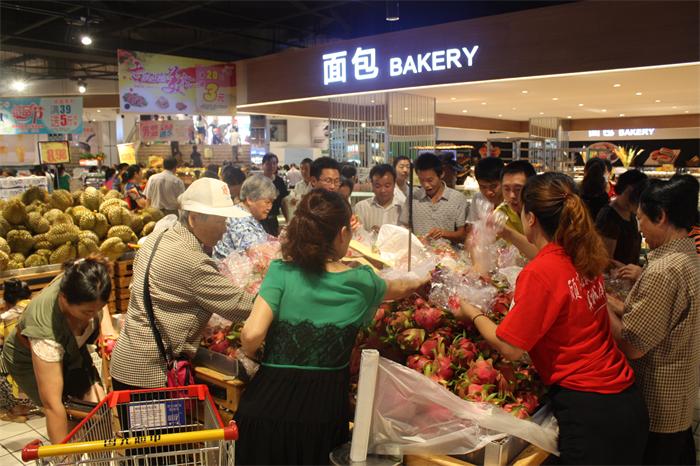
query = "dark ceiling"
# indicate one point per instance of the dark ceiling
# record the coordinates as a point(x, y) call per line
point(41, 39)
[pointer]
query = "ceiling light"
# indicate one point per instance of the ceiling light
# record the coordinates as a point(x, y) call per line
point(82, 87)
point(622, 114)
point(405, 108)
point(687, 111)
point(392, 11)
point(617, 85)
point(604, 110)
point(657, 101)
point(464, 111)
point(541, 113)
point(674, 106)
point(85, 39)
point(568, 116)
point(453, 98)
point(18, 85)
point(500, 114)
point(98, 110)
point(483, 103)
point(523, 92)
point(580, 105)
point(637, 93)
point(555, 98)
point(513, 108)
point(371, 101)
point(363, 125)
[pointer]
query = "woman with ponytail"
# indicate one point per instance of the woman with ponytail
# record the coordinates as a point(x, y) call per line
point(560, 318)
point(308, 312)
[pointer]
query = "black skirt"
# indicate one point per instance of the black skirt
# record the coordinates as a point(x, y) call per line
point(292, 416)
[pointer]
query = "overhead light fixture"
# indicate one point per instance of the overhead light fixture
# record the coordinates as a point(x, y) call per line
point(392, 11)
point(98, 110)
point(363, 125)
point(555, 98)
point(674, 106)
point(483, 103)
point(405, 108)
point(500, 114)
point(657, 101)
point(622, 114)
point(18, 85)
point(580, 105)
point(523, 92)
point(617, 85)
point(637, 93)
point(687, 111)
point(514, 108)
point(464, 111)
point(82, 87)
point(85, 39)
point(604, 110)
point(568, 116)
point(541, 113)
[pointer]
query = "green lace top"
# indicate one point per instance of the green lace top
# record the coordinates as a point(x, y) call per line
point(316, 318)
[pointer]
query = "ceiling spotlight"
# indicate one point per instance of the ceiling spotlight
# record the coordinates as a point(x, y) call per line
point(541, 113)
point(500, 114)
point(657, 101)
point(18, 85)
point(637, 93)
point(555, 98)
point(82, 87)
point(617, 85)
point(405, 108)
point(580, 105)
point(622, 114)
point(85, 39)
point(568, 116)
point(483, 103)
point(98, 110)
point(464, 111)
point(392, 11)
point(513, 108)
point(687, 111)
point(453, 98)
point(604, 110)
point(523, 92)
point(674, 106)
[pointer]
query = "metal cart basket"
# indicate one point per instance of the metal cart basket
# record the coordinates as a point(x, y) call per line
point(165, 426)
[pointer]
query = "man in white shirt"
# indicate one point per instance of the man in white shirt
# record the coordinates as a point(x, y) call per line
point(294, 176)
point(383, 208)
point(402, 168)
point(163, 189)
point(304, 186)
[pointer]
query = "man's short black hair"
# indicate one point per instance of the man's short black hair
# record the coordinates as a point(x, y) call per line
point(232, 175)
point(269, 156)
point(306, 161)
point(381, 170)
point(323, 163)
point(634, 178)
point(677, 197)
point(519, 166)
point(170, 163)
point(489, 169)
point(348, 182)
point(429, 161)
point(399, 159)
point(348, 170)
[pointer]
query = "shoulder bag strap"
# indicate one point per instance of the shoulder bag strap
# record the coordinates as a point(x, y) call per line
point(148, 304)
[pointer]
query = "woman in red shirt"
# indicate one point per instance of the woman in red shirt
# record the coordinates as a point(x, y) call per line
point(560, 318)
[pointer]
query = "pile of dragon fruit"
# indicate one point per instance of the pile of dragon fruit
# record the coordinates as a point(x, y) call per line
point(221, 336)
point(428, 339)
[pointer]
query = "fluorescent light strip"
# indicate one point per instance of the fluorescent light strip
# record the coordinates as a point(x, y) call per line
point(500, 80)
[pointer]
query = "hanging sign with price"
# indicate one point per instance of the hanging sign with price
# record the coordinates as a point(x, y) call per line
point(41, 115)
point(53, 152)
point(127, 153)
point(216, 88)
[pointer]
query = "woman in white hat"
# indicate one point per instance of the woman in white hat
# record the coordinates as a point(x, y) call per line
point(184, 287)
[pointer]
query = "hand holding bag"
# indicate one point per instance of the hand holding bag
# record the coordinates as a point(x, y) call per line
point(179, 369)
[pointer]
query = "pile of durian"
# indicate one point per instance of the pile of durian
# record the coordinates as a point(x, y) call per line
point(39, 228)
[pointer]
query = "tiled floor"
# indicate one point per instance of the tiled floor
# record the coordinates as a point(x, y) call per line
point(15, 436)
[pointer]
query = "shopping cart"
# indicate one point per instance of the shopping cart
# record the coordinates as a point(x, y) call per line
point(166, 426)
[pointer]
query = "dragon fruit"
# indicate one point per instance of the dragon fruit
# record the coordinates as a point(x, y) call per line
point(516, 410)
point(528, 400)
point(433, 346)
point(482, 371)
point(428, 318)
point(463, 351)
point(399, 321)
point(417, 362)
point(440, 370)
point(411, 339)
point(445, 332)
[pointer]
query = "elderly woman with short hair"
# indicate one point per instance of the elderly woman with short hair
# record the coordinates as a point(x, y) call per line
point(257, 195)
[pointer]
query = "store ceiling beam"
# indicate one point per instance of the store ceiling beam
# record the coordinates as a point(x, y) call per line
point(332, 15)
point(127, 25)
point(45, 21)
point(73, 56)
point(16, 60)
point(306, 12)
point(247, 19)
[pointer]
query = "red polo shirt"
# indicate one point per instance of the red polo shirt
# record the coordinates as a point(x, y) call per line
point(561, 320)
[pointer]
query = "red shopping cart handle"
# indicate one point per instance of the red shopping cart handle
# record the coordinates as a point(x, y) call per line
point(231, 431)
point(31, 451)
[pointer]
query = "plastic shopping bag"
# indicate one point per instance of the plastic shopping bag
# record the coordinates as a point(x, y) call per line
point(392, 242)
point(484, 234)
point(414, 415)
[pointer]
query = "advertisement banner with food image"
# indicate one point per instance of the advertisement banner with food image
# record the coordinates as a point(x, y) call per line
point(127, 153)
point(167, 130)
point(53, 152)
point(161, 84)
point(20, 149)
point(41, 115)
point(216, 89)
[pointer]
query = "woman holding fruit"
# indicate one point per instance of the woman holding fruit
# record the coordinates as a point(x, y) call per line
point(308, 312)
point(559, 317)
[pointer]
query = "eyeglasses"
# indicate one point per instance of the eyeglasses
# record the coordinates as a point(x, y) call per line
point(330, 181)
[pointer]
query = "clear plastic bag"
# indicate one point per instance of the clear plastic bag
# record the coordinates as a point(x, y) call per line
point(414, 415)
point(392, 242)
point(447, 285)
point(483, 235)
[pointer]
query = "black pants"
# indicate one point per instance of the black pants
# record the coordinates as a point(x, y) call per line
point(597, 428)
point(676, 448)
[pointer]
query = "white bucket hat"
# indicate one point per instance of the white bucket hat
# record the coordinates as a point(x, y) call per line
point(211, 197)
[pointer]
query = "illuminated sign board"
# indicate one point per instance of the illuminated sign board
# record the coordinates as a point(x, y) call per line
point(596, 133)
point(364, 63)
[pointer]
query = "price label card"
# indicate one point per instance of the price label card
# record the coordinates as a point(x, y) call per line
point(216, 87)
point(54, 152)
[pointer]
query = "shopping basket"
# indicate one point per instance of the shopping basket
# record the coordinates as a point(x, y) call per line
point(165, 426)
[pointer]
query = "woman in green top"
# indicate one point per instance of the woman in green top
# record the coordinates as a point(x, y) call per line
point(63, 178)
point(308, 312)
point(47, 354)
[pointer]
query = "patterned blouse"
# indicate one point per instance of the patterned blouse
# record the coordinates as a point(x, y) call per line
point(241, 234)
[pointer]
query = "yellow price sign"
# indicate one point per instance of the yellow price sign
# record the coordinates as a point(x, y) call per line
point(127, 153)
point(53, 152)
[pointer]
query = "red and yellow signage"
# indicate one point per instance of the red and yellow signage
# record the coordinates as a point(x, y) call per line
point(53, 152)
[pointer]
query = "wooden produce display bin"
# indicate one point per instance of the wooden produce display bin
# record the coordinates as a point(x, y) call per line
point(530, 456)
point(225, 389)
point(123, 272)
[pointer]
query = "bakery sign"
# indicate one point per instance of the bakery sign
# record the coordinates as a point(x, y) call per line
point(625, 132)
point(363, 64)
point(166, 84)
